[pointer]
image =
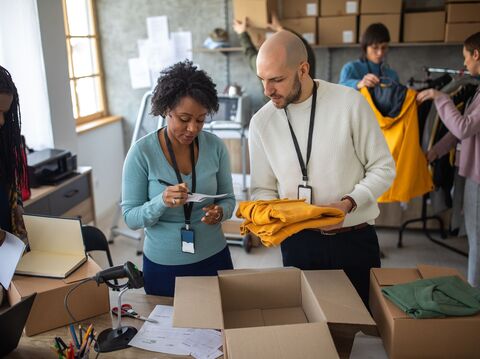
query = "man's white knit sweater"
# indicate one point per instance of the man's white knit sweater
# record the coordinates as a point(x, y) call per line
point(349, 153)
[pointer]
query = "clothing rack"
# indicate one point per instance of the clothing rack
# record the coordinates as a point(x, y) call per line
point(424, 218)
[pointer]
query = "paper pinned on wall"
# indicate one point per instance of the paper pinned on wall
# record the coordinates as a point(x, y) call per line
point(157, 29)
point(139, 73)
point(182, 44)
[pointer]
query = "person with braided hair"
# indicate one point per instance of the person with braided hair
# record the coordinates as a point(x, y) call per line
point(13, 167)
point(160, 171)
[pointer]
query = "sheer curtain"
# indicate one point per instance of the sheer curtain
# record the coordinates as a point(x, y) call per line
point(21, 54)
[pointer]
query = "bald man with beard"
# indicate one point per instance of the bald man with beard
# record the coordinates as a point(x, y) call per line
point(319, 141)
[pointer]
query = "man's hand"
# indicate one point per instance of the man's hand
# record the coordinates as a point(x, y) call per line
point(430, 94)
point(240, 26)
point(345, 206)
point(369, 80)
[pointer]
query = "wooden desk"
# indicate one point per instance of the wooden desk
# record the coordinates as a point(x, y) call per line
point(38, 346)
point(70, 198)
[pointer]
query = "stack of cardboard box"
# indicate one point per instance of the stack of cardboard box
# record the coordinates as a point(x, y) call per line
point(386, 12)
point(338, 22)
point(463, 20)
point(301, 16)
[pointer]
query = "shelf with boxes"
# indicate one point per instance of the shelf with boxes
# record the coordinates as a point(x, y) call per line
point(340, 23)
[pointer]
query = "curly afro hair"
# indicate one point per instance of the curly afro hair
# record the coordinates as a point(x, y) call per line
point(181, 80)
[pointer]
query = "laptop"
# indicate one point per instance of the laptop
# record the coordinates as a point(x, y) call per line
point(12, 322)
point(56, 247)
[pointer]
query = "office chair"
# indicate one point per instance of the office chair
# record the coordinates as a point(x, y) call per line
point(95, 240)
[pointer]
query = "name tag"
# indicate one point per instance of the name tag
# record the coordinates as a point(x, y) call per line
point(188, 240)
point(305, 192)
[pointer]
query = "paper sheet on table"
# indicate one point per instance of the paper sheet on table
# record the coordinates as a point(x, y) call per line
point(10, 253)
point(162, 337)
point(199, 197)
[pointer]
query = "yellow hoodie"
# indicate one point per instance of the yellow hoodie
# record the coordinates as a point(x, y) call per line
point(275, 220)
point(401, 133)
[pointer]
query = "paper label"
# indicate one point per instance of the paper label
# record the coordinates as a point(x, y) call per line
point(310, 37)
point(351, 7)
point(312, 9)
point(347, 36)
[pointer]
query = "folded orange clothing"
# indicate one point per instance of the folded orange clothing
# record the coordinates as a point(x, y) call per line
point(275, 220)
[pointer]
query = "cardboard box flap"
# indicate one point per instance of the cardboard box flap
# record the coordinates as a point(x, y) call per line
point(306, 341)
point(337, 297)
point(429, 271)
point(88, 269)
point(392, 276)
point(192, 293)
point(26, 285)
point(260, 289)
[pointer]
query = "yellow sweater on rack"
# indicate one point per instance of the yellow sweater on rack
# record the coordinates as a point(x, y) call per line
point(275, 220)
point(401, 133)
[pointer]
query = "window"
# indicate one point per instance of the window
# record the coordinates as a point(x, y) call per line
point(84, 64)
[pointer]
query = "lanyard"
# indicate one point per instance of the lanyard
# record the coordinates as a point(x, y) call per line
point(304, 165)
point(187, 208)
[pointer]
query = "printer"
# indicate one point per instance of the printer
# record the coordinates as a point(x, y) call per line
point(50, 166)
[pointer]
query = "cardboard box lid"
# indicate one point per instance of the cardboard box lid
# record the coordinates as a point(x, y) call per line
point(27, 285)
point(310, 340)
point(192, 293)
point(337, 297)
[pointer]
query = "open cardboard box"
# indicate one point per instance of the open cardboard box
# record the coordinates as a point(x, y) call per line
point(274, 313)
point(48, 310)
point(405, 337)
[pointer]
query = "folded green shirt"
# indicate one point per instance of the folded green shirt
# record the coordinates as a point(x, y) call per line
point(435, 297)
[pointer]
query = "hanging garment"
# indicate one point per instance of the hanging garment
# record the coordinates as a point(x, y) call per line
point(275, 220)
point(401, 133)
point(435, 297)
point(388, 97)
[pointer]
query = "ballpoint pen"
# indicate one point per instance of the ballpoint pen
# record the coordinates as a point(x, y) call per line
point(169, 184)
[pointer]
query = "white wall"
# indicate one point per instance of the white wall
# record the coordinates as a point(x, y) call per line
point(102, 149)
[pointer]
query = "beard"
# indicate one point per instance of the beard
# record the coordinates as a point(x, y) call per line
point(293, 95)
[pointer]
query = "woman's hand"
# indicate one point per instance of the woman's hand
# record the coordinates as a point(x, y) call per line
point(369, 80)
point(432, 155)
point(429, 94)
point(175, 196)
point(213, 214)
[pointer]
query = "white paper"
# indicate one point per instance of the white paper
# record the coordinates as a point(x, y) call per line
point(182, 45)
point(139, 73)
point(10, 253)
point(347, 36)
point(163, 337)
point(143, 48)
point(351, 7)
point(157, 29)
point(199, 197)
point(312, 9)
point(309, 37)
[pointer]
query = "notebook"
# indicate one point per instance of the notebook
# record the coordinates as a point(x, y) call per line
point(56, 247)
point(12, 321)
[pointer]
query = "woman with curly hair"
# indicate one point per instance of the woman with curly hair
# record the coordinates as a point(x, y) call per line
point(160, 171)
point(13, 165)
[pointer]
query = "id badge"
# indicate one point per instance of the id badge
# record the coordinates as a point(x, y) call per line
point(188, 240)
point(305, 191)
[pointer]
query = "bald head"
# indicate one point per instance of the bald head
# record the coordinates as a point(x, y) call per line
point(285, 47)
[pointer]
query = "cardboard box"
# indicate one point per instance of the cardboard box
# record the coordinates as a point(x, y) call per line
point(459, 32)
point(280, 313)
point(404, 337)
point(391, 21)
point(450, 1)
point(424, 26)
point(463, 12)
point(258, 11)
point(299, 8)
point(337, 30)
point(48, 311)
point(380, 6)
point(307, 27)
point(339, 7)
